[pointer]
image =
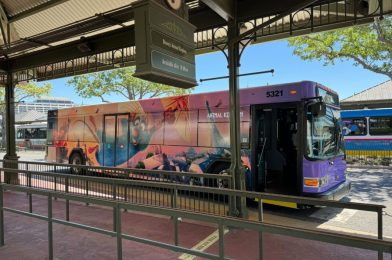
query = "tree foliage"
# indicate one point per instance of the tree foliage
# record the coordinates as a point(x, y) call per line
point(121, 82)
point(369, 46)
point(27, 90)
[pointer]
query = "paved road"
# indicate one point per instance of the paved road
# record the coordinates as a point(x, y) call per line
point(368, 186)
point(28, 155)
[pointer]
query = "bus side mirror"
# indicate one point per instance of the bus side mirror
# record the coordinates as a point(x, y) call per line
point(318, 109)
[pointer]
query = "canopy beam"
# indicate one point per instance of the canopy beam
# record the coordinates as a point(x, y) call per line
point(4, 26)
point(224, 8)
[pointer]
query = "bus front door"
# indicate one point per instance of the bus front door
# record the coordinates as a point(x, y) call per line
point(116, 132)
point(275, 148)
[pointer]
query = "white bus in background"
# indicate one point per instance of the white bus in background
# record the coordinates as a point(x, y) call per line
point(31, 136)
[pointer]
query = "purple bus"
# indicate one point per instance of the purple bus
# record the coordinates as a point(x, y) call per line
point(291, 141)
point(296, 141)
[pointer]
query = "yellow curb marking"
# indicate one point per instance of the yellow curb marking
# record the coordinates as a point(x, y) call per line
point(204, 244)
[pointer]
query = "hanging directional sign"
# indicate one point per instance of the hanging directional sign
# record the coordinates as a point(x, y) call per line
point(165, 51)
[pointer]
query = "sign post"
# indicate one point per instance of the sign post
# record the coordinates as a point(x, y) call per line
point(165, 51)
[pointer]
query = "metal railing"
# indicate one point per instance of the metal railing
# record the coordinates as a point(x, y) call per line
point(160, 189)
point(222, 222)
point(205, 179)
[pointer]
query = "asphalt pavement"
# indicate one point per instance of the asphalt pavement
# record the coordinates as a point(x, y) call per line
point(368, 186)
point(29, 155)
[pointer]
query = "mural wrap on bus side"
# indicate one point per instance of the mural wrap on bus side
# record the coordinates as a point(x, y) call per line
point(178, 139)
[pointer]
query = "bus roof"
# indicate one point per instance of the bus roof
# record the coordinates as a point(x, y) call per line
point(367, 112)
point(32, 125)
point(288, 92)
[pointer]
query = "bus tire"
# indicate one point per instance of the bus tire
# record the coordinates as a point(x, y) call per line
point(76, 158)
point(222, 169)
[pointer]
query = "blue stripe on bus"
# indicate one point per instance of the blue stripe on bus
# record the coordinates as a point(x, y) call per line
point(380, 145)
point(366, 113)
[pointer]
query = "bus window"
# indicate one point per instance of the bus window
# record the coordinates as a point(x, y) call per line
point(380, 126)
point(62, 129)
point(34, 133)
point(323, 135)
point(138, 130)
point(244, 126)
point(28, 133)
point(20, 134)
point(181, 128)
point(154, 127)
point(122, 144)
point(41, 133)
point(214, 135)
point(109, 140)
point(328, 97)
point(354, 126)
point(76, 128)
point(52, 127)
point(93, 128)
point(146, 128)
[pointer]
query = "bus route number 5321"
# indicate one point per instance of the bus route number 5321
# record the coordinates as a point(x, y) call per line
point(275, 93)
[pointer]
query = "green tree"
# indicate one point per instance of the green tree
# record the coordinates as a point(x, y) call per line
point(22, 93)
point(369, 46)
point(27, 90)
point(121, 82)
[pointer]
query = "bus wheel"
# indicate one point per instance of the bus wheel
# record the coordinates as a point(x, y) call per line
point(76, 159)
point(194, 181)
point(221, 183)
point(222, 169)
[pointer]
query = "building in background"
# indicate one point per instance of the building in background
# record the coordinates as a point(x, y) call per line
point(44, 104)
point(30, 121)
point(379, 96)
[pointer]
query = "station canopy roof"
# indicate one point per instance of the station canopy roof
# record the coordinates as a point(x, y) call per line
point(46, 39)
point(379, 96)
point(31, 116)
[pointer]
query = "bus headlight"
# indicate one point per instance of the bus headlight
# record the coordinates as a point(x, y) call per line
point(324, 181)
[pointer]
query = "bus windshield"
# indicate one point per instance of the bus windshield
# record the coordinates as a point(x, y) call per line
point(324, 135)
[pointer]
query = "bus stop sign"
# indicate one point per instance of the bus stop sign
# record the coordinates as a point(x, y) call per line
point(165, 51)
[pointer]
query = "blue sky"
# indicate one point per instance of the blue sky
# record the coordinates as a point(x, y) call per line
point(343, 77)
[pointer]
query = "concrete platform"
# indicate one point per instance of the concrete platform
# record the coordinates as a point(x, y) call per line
point(26, 238)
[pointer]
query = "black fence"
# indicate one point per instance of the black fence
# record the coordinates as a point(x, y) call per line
point(155, 188)
point(139, 186)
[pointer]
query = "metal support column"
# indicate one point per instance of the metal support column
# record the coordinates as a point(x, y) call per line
point(238, 207)
point(11, 178)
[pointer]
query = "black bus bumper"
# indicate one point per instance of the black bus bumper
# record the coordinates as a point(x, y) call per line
point(336, 193)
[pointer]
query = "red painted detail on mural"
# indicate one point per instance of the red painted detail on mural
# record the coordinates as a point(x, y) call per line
point(60, 143)
point(177, 103)
point(92, 149)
